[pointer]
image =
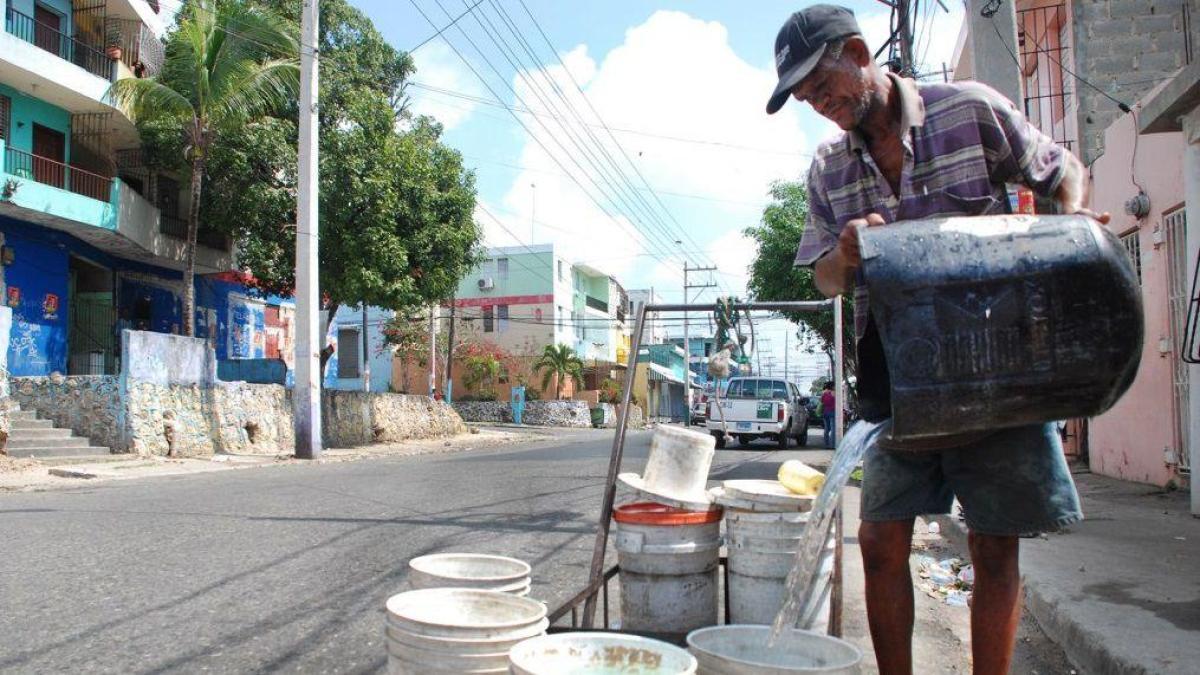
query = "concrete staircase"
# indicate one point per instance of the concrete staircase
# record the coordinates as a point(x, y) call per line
point(30, 436)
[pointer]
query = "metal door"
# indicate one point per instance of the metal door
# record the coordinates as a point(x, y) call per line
point(1175, 224)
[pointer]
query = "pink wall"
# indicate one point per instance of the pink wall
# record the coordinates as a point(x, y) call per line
point(1127, 442)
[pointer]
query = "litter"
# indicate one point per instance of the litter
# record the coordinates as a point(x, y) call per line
point(951, 580)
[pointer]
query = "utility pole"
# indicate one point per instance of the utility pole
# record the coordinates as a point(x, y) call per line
point(904, 20)
point(449, 391)
point(306, 394)
point(366, 353)
point(785, 356)
point(687, 346)
point(432, 349)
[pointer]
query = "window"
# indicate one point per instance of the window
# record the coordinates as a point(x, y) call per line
point(560, 317)
point(5, 117)
point(488, 319)
point(561, 275)
point(348, 353)
point(734, 390)
point(501, 268)
point(501, 318)
point(1133, 248)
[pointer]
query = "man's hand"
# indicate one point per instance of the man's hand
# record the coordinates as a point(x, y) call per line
point(848, 240)
point(834, 272)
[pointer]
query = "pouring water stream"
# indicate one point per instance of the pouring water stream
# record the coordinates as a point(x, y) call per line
point(801, 580)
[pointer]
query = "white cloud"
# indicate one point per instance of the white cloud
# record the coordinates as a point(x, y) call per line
point(674, 75)
point(438, 65)
point(935, 34)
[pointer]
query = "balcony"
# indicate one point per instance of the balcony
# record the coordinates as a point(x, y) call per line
point(596, 304)
point(47, 38)
point(46, 171)
point(176, 227)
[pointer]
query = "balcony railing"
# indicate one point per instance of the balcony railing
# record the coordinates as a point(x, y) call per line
point(57, 174)
point(56, 42)
point(177, 227)
point(596, 304)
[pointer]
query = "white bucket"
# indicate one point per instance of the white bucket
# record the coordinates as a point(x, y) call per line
point(458, 630)
point(599, 654)
point(669, 559)
point(762, 551)
point(742, 650)
point(469, 570)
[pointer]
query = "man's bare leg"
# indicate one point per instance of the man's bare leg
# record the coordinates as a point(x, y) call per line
point(885, 548)
point(996, 603)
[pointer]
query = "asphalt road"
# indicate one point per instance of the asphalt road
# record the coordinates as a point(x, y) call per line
point(288, 568)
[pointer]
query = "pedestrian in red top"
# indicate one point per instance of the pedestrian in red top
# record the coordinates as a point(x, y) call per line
point(828, 408)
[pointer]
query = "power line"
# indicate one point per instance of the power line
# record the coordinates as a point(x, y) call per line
point(441, 30)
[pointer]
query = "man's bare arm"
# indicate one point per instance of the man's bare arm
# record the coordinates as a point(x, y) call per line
point(1073, 190)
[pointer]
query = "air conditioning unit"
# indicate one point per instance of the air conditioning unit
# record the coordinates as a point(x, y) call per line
point(487, 284)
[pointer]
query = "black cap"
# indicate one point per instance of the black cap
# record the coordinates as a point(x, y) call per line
point(801, 42)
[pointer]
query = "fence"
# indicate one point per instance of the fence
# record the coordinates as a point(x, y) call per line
point(45, 36)
point(57, 174)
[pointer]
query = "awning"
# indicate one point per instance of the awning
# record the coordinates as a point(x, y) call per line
point(659, 373)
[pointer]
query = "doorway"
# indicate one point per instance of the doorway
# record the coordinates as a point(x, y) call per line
point(48, 30)
point(49, 156)
point(91, 334)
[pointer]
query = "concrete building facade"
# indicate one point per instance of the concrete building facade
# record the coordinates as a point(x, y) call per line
point(1077, 65)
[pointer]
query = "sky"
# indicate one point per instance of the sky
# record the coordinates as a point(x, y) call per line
point(630, 134)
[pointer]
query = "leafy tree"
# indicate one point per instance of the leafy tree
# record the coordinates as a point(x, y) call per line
point(773, 276)
point(226, 65)
point(482, 371)
point(560, 362)
point(396, 209)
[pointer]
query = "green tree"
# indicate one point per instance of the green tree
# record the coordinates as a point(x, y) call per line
point(482, 371)
point(226, 65)
point(396, 210)
point(560, 362)
point(773, 275)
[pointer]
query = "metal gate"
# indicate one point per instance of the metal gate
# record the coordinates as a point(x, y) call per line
point(1175, 224)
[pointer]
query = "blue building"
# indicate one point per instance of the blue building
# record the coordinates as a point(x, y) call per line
point(91, 240)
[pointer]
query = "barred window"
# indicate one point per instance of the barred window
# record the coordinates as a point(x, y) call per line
point(1133, 248)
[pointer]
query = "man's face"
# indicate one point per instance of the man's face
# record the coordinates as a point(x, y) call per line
point(838, 89)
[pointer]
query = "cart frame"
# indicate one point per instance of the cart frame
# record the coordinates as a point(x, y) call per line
point(599, 577)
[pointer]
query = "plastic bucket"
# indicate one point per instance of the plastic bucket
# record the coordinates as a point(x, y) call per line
point(599, 654)
point(669, 559)
point(742, 650)
point(469, 570)
point(762, 551)
point(458, 630)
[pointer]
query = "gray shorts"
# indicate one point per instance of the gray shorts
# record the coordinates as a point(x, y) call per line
point(1013, 483)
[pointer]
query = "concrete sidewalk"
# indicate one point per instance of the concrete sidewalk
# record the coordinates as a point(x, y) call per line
point(1119, 592)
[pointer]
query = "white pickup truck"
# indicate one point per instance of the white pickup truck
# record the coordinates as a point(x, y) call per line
point(759, 407)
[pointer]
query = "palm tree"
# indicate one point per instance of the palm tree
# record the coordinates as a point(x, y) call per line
point(559, 361)
point(483, 370)
point(226, 64)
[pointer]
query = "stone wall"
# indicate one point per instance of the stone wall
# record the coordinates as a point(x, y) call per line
point(484, 411)
point(557, 414)
point(169, 401)
point(254, 418)
point(636, 419)
point(1125, 48)
point(90, 405)
point(356, 418)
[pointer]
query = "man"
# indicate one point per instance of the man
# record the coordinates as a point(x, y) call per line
point(828, 410)
point(912, 151)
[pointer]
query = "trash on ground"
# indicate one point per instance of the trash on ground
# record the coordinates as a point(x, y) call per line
point(951, 580)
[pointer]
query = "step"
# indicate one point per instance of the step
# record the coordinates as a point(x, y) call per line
point(51, 432)
point(79, 453)
point(68, 442)
point(22, 425)
point(22, 415)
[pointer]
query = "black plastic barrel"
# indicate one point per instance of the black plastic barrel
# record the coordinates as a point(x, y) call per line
point(1001, 321)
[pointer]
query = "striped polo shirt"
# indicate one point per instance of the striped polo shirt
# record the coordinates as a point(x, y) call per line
point(963, 143)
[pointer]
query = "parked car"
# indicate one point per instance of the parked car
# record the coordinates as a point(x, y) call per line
point(759, 407)
point(699, 408)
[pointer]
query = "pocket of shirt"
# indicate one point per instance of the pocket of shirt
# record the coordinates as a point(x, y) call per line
point(969, 205)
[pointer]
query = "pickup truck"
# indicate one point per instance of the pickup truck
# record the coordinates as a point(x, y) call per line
point(759, 407)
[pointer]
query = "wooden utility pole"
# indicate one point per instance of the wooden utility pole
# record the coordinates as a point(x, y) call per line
point(448, 392)
point(306, 394)
point(687, 346)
